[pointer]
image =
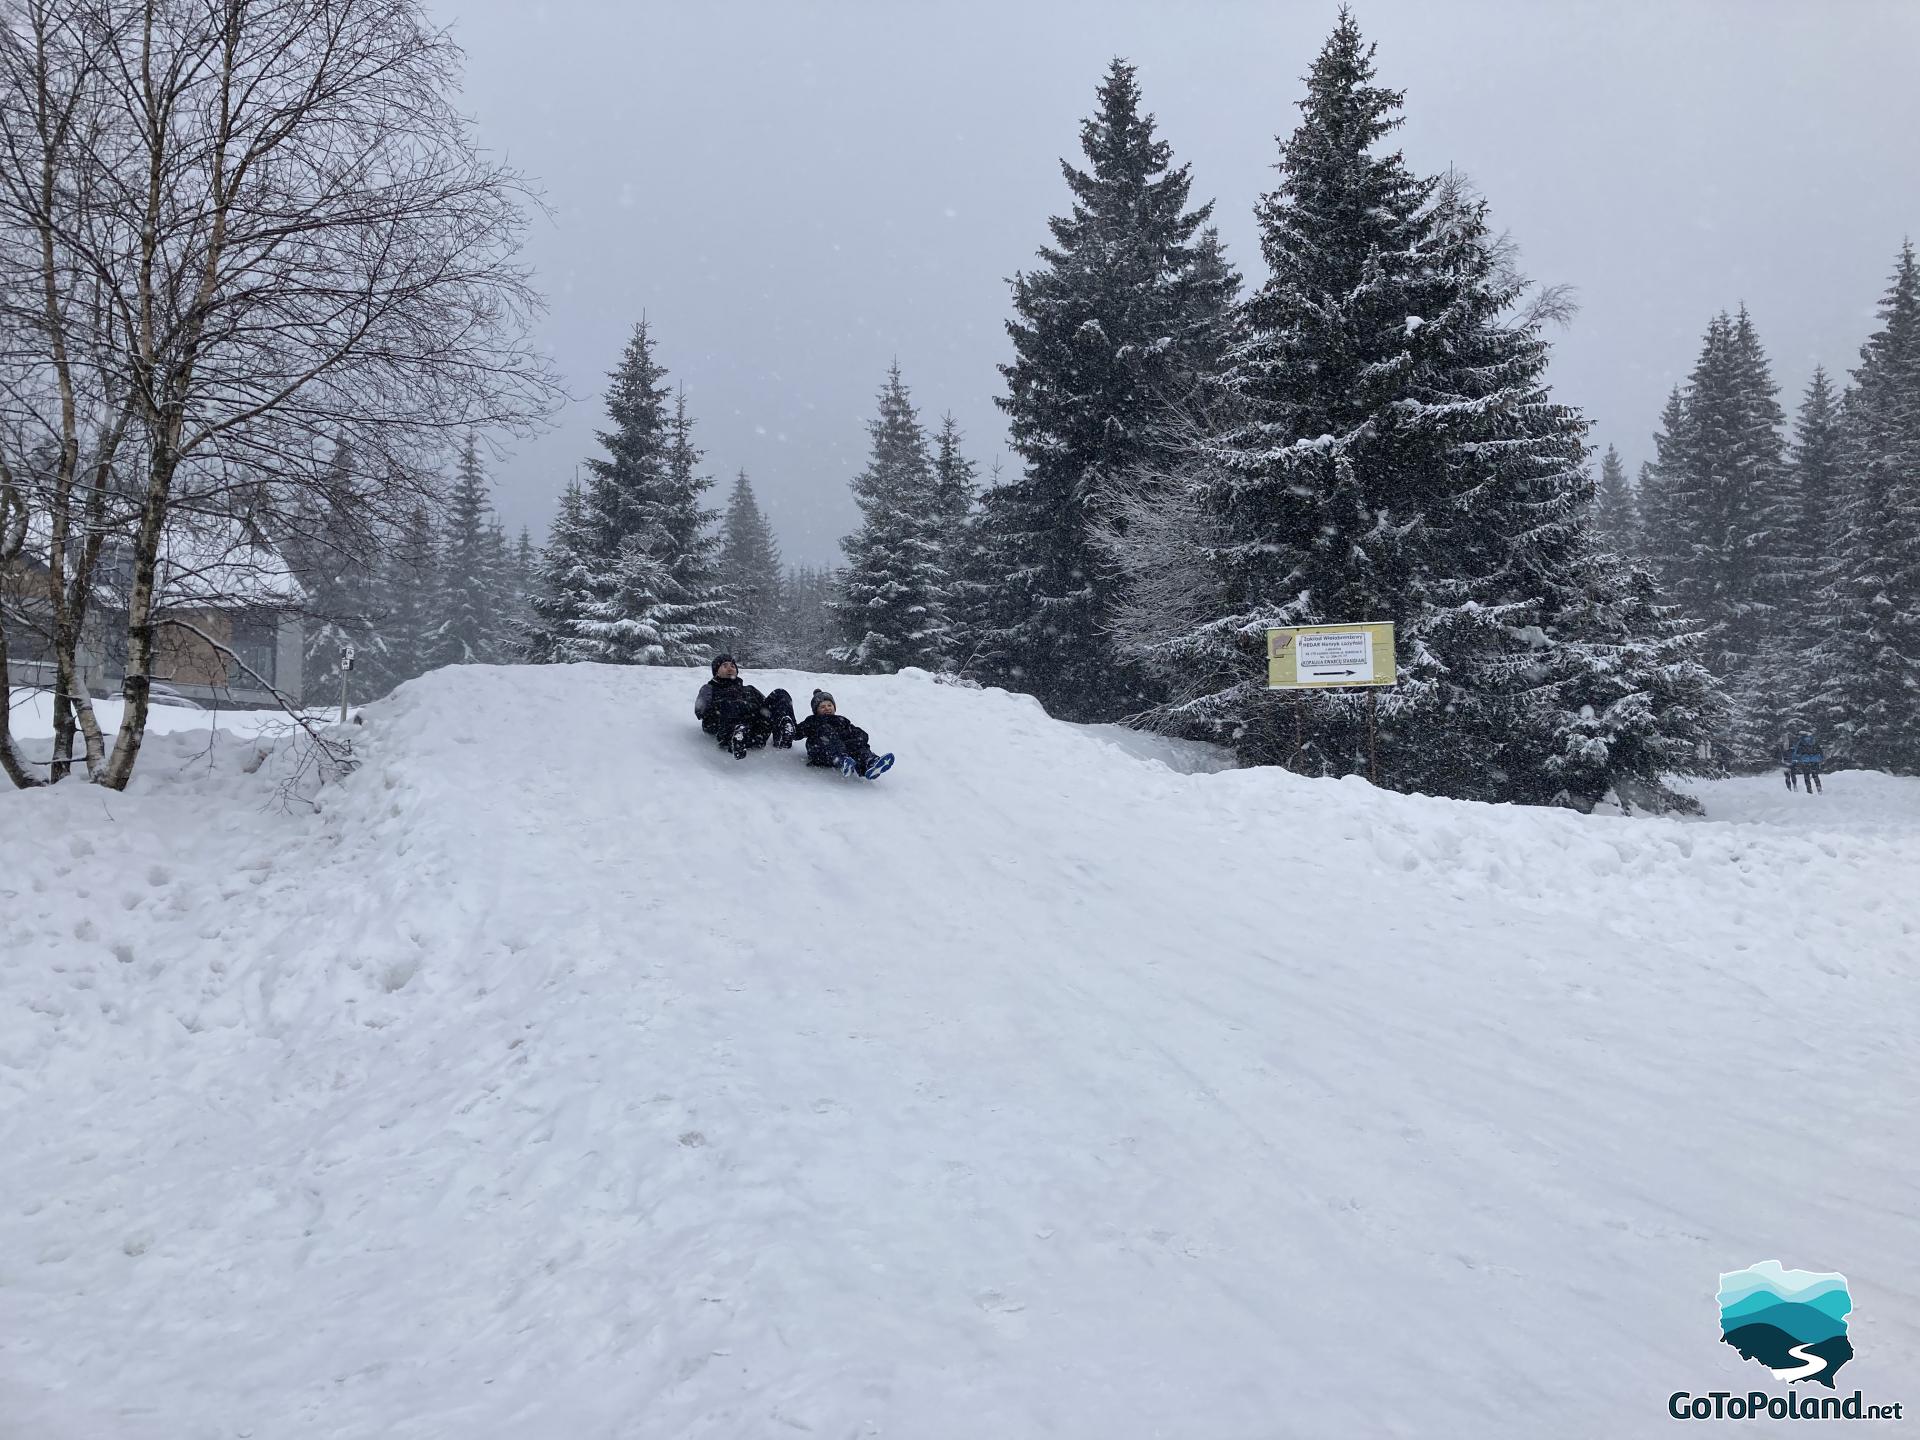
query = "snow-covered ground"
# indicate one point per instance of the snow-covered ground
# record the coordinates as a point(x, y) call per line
point(32, 719)
point(1855, 801)
point(561, 1076)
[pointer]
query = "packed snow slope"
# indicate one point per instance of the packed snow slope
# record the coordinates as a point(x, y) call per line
point(560, 1076)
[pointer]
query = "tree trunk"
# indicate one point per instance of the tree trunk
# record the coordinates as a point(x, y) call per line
point(11, 761)
point(135, 681)
point(62, 732)
point(79, 596)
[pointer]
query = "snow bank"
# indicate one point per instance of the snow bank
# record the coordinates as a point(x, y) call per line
point(561, 1076)
point(32, 717)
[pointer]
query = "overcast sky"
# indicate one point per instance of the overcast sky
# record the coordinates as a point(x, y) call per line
point(796, 193)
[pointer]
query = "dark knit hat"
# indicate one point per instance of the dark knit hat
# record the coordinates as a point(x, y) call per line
point(818, 696)
point(720, 660)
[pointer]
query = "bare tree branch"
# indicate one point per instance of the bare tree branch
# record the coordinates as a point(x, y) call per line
point(339, 752)
point(255, 233)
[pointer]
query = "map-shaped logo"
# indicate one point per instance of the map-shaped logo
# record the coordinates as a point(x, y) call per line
point(1794, 1322)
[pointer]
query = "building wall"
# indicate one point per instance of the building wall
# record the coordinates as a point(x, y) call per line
point(290, 645)
point(271, 641)
point(30, 632)
point(181, 657)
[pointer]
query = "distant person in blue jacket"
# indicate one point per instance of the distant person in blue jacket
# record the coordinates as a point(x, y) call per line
point(1805, 760)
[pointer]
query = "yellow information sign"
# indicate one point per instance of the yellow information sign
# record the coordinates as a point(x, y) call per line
point(1323, 657)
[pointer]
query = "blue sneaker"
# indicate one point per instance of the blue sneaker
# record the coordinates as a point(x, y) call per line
point(846, 766)
point(878, 766)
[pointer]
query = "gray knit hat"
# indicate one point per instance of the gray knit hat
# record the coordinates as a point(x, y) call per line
point(818, 696)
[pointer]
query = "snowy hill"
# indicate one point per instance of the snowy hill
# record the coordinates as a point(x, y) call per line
point(562, 1076)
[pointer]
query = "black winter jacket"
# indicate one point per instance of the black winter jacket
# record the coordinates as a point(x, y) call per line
point(830, 735)
point(734, 692)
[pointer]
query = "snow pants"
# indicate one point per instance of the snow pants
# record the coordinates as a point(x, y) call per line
point(828, 748)
point(1809, 776)
point(758, 718)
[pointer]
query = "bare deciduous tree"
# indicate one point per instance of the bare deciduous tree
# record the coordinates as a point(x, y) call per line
point(258, 230)
point(55, 354)
point(13, 539)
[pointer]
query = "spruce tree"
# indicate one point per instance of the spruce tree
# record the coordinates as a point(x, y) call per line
point(334, 552)
point(526, 563)
point(699, 606)
point(522, 567)
point(1616, 518)
point(624, 497)
point(891, 606)
point(956, 497)
point(1819, 483)
point(1816, 460)
point(1305, 493)
point(1209, 304)
point(650, 594)
point(1535, 667)
point(506, 596)
point(462, 632)
point(808, 630)
point(1393, 452)
point(563, 587)
point(954, 489)
point(1721, 513)
point(1128, 304)
point(1778, 677)
point(411, 593)
point(1872, 654)
point(750, 576)
point(1661, 480)
point(1623, 700)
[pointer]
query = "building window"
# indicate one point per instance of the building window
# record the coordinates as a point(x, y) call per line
point(254, 634)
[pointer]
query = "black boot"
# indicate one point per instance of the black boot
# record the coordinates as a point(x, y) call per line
point(737, 742)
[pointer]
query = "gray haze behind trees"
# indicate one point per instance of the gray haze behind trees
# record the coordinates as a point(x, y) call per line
point(796, 195)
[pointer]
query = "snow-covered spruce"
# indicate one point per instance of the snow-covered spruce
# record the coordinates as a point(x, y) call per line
point(1722, 519)
point(1870, 668)
point(749, 574)
point(1373, 469)
point(1616, 509)
point(1124, 317)
point(629, 572)
point(891, 603)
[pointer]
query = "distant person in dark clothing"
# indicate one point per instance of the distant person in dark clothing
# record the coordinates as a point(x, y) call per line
point(1786, 762)
point(835, 741)
point(1806, 758)
point(738, 715)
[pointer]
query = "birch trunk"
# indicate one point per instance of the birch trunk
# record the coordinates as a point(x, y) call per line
point(13, 537)
point(135, 683)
